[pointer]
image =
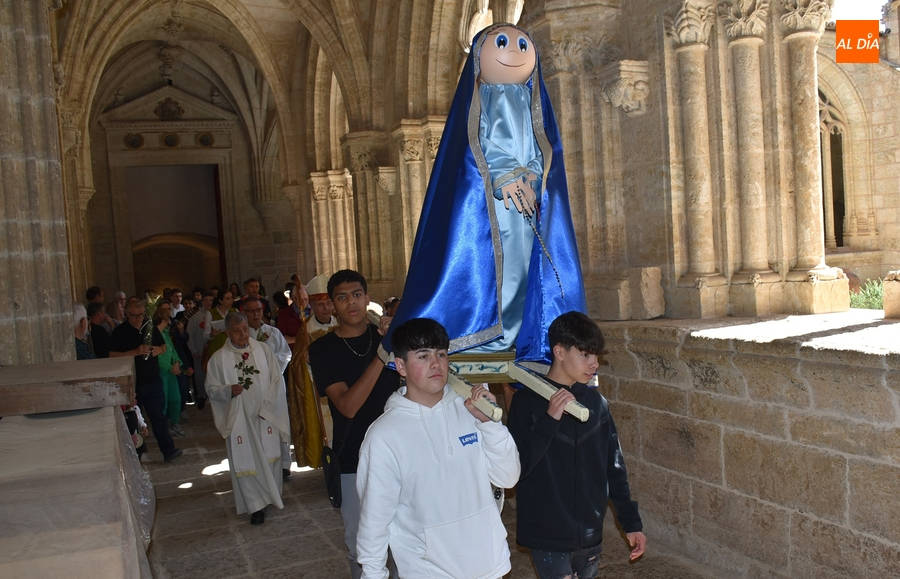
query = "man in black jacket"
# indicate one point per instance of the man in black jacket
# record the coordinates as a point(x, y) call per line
point(569, 468)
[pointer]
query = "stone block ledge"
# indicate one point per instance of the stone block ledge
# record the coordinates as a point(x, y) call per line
point(61, 386)
point(765, 446)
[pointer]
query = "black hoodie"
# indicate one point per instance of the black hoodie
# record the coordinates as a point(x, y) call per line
point(567, 467)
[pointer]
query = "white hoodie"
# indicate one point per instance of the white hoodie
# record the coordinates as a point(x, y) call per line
point(424, 483)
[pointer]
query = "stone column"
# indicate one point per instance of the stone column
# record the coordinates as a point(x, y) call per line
point(35, 311)
point(691, 30)
point(745, 27)
point(812, 287)
point(366, 151)
point(318, 182)
point(828, 186)
point(303, 220)
point(804, 21)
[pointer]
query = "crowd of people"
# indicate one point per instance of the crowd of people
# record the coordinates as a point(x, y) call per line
point(418, 463)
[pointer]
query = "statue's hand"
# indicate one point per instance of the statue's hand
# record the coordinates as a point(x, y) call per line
point(521, 193)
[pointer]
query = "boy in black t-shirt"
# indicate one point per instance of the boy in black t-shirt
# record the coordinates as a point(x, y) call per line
point(570, 468)
point(346, 368)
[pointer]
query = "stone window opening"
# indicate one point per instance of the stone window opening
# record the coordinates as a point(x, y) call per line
point(832, 130)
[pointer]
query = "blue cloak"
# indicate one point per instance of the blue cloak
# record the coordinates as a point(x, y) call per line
point(455, 270)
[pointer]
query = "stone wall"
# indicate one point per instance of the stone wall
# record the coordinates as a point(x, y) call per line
point(766, 449)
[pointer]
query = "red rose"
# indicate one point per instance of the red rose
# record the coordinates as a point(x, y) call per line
point(202, 325)
point(245, 355)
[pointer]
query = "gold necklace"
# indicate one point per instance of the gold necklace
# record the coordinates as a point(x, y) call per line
point(369, 347)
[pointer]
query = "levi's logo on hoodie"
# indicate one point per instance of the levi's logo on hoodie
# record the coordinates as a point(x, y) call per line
point(467, 439)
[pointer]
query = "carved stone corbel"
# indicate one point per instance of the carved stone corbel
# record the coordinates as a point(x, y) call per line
point(626, 84)
point(576, 53)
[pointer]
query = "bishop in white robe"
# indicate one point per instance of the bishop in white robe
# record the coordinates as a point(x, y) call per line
point(253, 421)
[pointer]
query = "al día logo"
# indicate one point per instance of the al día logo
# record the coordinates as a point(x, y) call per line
point(856, 41)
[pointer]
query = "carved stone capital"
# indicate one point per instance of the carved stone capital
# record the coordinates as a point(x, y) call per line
point(805, 15)
point(320, 193)
point(433, 145)
point(336, 191)
point(360, 159)
point(626, 84)
point(387, 180)
point(744, 18)
point(85, 194)
point(691, 24)
point(576, 53)
point(411, 149)
point(70, 114)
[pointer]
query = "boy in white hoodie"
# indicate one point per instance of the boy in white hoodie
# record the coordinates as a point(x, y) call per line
point(425, 472)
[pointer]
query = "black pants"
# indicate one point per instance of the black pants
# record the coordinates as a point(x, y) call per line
point(152, 400)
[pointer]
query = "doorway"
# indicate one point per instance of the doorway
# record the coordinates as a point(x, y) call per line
point(176, 226)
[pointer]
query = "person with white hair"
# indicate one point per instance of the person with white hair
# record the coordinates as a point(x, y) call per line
point(82, 324)
point(246, 392)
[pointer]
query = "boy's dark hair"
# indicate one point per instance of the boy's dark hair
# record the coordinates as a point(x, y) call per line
point(280, 300)
point(576, 329)
point(416, 334)
point(198, 290)
point(249, 281)
point(93, 308)
point(92, 293)
point(346, 276)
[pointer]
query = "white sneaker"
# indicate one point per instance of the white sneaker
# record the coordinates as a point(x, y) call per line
point(176, 430)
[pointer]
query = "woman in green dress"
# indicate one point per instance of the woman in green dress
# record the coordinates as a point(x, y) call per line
point(169, 368)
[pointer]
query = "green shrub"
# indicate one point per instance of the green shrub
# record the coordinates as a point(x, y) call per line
point(870, 296)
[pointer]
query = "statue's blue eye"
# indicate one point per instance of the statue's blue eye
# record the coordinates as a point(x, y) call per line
point(523, 44)
point(502, 41)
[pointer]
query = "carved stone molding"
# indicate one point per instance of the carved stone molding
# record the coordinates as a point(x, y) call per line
point(626, 84)
point(227, 50)
point(692, 24)
point(336, 191)
point(59, 75)
point(433, 145)
point(575, 53)
point(320, 193)
point(360, 159)
point(744, 18)
point(73, 143)
point(805, 15)
point(168, 110)
point(411, 149)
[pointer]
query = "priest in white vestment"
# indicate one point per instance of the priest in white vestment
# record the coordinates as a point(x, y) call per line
point(252, 307)
point(253, 420)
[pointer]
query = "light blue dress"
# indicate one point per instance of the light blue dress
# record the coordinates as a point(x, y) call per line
point(510, 149)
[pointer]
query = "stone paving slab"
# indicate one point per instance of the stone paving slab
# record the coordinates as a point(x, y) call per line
point(197, 533)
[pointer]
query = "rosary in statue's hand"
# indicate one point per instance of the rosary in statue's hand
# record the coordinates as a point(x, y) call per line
point(521, 193)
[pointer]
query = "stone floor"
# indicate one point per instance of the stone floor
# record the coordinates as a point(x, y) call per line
point(198, 534)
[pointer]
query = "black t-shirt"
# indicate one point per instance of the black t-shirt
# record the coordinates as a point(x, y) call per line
point(334, 359)
point(100, 341)
point(126, 337)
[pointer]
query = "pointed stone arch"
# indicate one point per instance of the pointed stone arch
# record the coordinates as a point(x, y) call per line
point(860, 229)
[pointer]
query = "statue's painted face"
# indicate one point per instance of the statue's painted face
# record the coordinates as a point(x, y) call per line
point(507, 56)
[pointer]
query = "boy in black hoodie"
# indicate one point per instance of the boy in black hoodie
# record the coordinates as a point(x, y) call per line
point(570, 469)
